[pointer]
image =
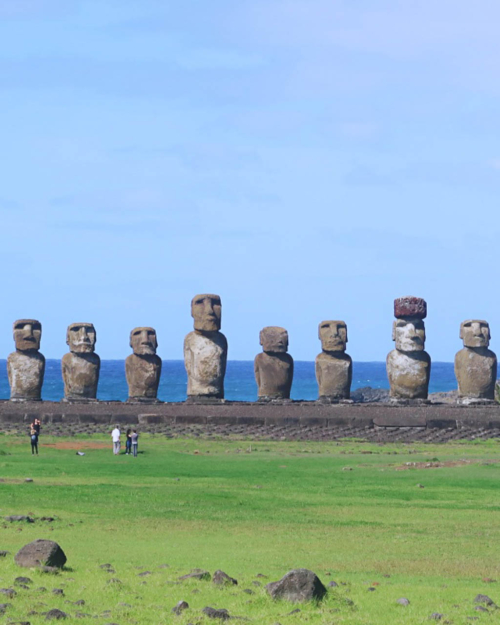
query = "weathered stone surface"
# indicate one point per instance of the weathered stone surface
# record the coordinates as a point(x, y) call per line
point(475, 364)
point(55, 615)
point(197, 574)
point(180, 607)
point(8, 592)
point(484, 599)
point(14, 518)
point(26, 366)
point(297, 586)
point(143, 367)
point(40, 553)
point(273, 367)
point(222, 579)
point(409, 366)
point(205, 349)
point(220, 614)
point(403, 601)
point(81, 366)
point(333, 365)
point(22, 581)
point(410, 306)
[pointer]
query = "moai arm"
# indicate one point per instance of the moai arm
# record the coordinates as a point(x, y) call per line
point(257, 371)
point(318, 372)
point(188, 356)
point(224, 356)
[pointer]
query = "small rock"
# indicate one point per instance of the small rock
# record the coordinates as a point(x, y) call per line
point(105, 566)
point(197, 574)
point(222, 579)
point(221, 614)
point(22, 580)
point(180, 607)
point(436, 616)
point(4, 606)
point(371, 589)
point(297, 586)
point(8, 592)
point(144, 574)
point(403, 601)
point(332, 584)
point(420, 486)
point(57, 591)
point(484, 599)
point(55, 614)
point(17, 518)
point(28, 479)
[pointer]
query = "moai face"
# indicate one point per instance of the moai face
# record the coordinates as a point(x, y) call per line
point(274, 340)
point(409, 335)
point(143, 341)
point(475, 333)
point(27, 334)
point(81, 338)
point(333, 336)
point(206, 310)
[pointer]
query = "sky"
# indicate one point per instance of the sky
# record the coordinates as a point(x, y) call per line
point(305, 159)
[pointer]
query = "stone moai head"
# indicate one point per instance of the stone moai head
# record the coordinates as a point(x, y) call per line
point(409, 330)
point(143, 341)
point(206, 310)
point(475, 333)
point(333, 336)
point(27, 335)
point(81, 338)
point(274, 340)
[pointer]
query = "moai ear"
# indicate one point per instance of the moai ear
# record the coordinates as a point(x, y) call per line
point(462, 331)
point(489, 332)
point(346, 338)
point(394, 330)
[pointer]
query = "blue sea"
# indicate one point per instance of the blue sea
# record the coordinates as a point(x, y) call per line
point(239, 382)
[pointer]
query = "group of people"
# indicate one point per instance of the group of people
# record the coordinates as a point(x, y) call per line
point(34, 434)
point(131, 441)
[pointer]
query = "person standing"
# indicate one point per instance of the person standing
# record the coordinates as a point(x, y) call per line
point(115, 435)
point(34, 441)
point(135, 442)
point(128, 442)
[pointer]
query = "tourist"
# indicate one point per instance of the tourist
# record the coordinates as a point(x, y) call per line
point(135, 441)
point(115, 435)
point(128, 443)
point(34, 440)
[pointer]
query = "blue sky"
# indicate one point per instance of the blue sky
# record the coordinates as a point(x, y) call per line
point(305, 159)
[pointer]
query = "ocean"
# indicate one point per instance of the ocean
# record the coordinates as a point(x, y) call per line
point(239, 382)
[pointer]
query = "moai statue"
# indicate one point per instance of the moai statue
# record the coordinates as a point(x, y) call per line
point(273, 367)
point(475, 364)
point(81, 366)
point(205, 350)
point(143, 367)
point(333, 365)
point(409, 366)
point(26, 366)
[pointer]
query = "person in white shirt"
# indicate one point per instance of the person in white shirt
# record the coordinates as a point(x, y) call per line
point(115, 435)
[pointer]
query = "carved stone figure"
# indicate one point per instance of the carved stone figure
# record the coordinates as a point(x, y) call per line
point(333, 365)
point(273, 367)
point(475, 364)
point(26, 366)
point(143, 367)
point(80, 367)
point(409, 366)
point(205, 350)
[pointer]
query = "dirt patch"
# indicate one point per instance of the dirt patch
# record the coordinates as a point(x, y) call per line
point(77, 446)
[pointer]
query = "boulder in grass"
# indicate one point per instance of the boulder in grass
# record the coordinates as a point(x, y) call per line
point(55, 615)
point(297, 586)
point(221, 614)
point(222, 579)
point(19, 518)
point(41, 553)
point(484, 599)
point(180, 607)
point(197, 574)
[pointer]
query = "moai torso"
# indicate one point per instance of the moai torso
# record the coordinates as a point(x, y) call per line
point(25, 371)
point(143, 367)
point(26, 366)
point(408, 374)
point(334, 375)
point(205, 349)
point(80, 375)
point(143, 376)
point(273, 367)
point(475, 364)
point(81, 366)
point(409, 366)
point(333, 365)
point(205, 356)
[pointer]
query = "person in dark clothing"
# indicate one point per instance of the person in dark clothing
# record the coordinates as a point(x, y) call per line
point(128, 442)
point(34, 441)
point(135, 440)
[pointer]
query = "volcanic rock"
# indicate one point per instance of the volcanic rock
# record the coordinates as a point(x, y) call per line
point(297, 586)
point(222, 579)
point(41, 553)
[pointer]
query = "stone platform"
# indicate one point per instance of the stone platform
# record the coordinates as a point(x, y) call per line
point(289, 420)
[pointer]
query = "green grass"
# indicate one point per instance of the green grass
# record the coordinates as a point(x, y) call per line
point(250, 508)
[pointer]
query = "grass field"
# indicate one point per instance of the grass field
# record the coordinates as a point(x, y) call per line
point(353, 512)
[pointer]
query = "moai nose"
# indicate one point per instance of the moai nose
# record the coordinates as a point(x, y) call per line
point(28, 328)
